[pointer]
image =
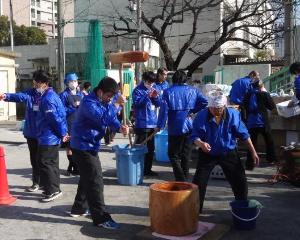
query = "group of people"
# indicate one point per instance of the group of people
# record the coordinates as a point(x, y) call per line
point(81, 122)
point(191, 117)
point(81, 119)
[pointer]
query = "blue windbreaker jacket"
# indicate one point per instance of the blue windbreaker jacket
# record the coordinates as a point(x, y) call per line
point(31, 97)
point(254, 117)
point(145, 107)
point(178, 103)
point(90, 122)
point(240, 88)
point(51, 119)
point(162, 87)
point(221, 137)
point(297, 87)
point(67, 101)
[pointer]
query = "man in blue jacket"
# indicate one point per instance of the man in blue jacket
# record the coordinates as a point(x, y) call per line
point(257, 103)
point(161, 81)
point(31, 98)
point(94, 115)
point(295, 70)
point(51, 130)
point(215, 132)
point(178, 104)
point(146, 100)
point(240, 88)
point(71, 98)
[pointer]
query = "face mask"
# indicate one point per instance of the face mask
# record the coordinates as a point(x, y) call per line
point(148, 85)
point(40, 90)
point(73, 85)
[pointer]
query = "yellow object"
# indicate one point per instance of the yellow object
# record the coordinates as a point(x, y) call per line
point(126, 90)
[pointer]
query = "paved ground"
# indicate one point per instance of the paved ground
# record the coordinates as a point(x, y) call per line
point(29, 219)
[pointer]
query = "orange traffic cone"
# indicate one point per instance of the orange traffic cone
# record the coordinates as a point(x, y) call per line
point(5, 197)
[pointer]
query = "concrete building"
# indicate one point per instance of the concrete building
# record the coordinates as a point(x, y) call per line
point(41, 14)
point(8, 83)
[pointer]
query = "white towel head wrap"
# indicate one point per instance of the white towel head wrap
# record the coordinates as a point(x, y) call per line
point(217, 99)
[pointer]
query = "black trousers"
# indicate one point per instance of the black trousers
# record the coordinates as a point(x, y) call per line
point(140, 136)
point(90, 186)
point(179, 151)
point(33, 150)
point(49, 168)
point(109, 135)
point(232, 168)
point(270, 148)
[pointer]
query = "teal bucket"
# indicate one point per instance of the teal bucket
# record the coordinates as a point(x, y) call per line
point(244, 216)
point(130, 164)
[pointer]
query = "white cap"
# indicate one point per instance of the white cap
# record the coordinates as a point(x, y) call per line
point(217, 99)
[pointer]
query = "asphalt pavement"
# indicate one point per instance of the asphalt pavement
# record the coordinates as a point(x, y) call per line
point(30, 219)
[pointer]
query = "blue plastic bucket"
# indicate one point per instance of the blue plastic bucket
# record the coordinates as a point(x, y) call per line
point(130, 164)
point(244, 217)
point(161, 146)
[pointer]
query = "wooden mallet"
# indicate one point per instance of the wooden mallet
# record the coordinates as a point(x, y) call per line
point(127, 57)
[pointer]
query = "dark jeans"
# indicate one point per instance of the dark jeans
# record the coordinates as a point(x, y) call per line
point(232, 168)
point(49, 168)
point(179, 151)
point(33, 150)
point(140, 136)
point(270, 148)
point(90, 186)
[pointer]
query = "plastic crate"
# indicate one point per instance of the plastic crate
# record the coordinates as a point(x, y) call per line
point(287, 112)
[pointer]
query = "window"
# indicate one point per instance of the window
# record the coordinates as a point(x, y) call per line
point(39, 24)
point(33, 23)
point(55, 6)
point(38, 3)
point(32, 13)
point(32, 2)
point(38, 15)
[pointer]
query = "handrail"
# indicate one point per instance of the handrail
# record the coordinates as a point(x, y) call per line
point(279, 80)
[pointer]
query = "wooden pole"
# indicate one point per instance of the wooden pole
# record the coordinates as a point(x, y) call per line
point(124, 110)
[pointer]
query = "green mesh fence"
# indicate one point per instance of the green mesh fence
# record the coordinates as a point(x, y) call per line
point(94, 66)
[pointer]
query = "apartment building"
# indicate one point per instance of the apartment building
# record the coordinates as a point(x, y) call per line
point(41, 14)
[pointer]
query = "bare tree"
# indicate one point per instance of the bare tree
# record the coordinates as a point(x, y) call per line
point(252, 22)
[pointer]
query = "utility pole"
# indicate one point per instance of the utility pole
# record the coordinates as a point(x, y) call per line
point(60, 44)
point(288, 31)
point(139, 44)
point(11, 26)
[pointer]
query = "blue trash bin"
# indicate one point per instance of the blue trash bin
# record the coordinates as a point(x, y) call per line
point(161, 146)
point(130, 164)
point(244, 217)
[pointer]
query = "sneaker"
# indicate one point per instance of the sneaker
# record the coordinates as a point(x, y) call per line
point(85, 214)
point(110, 224)
point(33, 188)
point(51, 197)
